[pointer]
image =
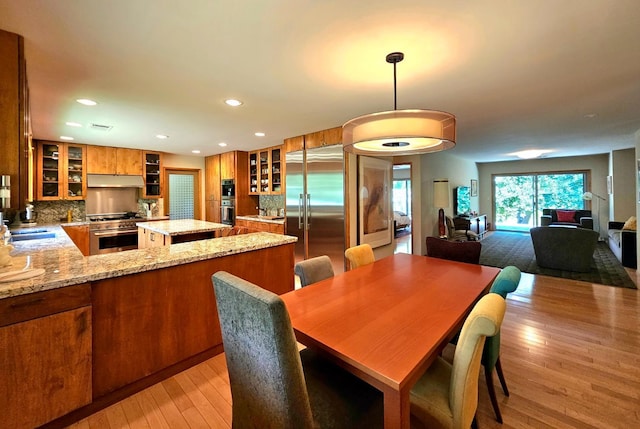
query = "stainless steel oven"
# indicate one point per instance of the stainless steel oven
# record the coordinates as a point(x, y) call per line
point(112, 235)
point(227, 212)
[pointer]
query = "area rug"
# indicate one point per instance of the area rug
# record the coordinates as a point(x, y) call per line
point(502, 248)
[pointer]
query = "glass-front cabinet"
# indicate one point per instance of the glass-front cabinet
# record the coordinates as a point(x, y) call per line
point(152, 174)
point(266, 171)
point(61, 171)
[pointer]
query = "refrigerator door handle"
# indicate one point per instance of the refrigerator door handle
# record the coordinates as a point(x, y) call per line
point(300, 211)
point(308, 210)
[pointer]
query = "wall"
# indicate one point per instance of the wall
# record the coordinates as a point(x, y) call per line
point(636, 189)
point(623, 172)
point(189, 162)
point(597, 164)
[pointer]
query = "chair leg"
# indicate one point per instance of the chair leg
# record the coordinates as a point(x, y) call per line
point(503, 382)
point(492, 394)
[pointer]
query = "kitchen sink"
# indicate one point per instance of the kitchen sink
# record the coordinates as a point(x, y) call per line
point(32, 234)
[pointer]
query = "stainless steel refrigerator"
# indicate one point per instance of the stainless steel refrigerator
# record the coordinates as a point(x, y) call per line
point(315, 203)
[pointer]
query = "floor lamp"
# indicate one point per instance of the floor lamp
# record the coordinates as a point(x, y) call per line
point(441, 200)
point(588, 196)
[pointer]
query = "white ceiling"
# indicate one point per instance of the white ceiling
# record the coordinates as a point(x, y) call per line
point(517, 74)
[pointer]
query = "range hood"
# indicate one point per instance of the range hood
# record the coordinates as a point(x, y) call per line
point(113, 181)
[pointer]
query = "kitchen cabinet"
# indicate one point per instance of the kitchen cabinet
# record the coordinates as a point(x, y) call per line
point(61, 171)
point(328, 137)
point(228, 165)
point(114, 160)
point(257, 226)
point(15, 125)
point(293, 144)
point(152, 175)
point(79, 234)
point(212, 188)
point(45, 360)
point(266, 171)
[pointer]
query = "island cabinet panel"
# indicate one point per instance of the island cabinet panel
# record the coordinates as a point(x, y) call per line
point(146, 322)
point(79, 234)
point(45, 358)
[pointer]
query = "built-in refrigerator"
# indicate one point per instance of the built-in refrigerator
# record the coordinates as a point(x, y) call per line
point(315, 203)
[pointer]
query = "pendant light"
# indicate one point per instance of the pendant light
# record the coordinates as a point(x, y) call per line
point(399, 132)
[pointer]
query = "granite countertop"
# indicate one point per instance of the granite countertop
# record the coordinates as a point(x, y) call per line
point(65, 266)
point(259, 218)
point(181, 226)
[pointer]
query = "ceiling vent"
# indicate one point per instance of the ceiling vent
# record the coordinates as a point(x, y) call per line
point(101, 127)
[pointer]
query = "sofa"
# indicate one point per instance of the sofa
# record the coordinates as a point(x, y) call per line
point(566, 217)
point(567, 249)
point(622, 243)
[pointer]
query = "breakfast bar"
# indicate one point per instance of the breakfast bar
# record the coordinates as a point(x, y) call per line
point(99, 328)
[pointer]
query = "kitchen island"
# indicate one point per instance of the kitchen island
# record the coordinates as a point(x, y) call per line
point(168, 232)
point(95, 329)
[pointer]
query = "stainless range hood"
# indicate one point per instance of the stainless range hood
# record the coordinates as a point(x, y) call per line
point(112, 181)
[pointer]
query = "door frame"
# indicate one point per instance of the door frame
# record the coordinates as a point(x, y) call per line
point(197, 189)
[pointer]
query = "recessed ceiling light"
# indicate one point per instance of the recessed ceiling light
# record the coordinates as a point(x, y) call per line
point(86, 102)
point(195, 151)
point(590, 115)
point(162, 136)
point(259, 134)
point(233, 103)
point(66, 138)
point(73, 124)
point(222, 144)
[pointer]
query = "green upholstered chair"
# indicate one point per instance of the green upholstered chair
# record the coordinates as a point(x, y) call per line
point(360, 255)
point(446, 396)
point(461, 251)
point(273, 385)
point(313, 270)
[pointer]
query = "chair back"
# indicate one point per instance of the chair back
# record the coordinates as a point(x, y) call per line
point(268, 388)
point(360, 255)
point(484, 320)
point(505, 283)
point(461, 251)
point(313, 270)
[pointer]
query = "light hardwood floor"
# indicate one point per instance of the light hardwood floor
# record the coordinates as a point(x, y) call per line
point(570, 354)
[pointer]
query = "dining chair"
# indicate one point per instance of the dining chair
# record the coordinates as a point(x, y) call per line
point(313, 270)
point(360, 255)
point(273, 385)
point(461, 251)
point(446, 396)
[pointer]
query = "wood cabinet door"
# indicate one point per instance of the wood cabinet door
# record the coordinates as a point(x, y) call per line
point(129, 161)
point(227, 165)
point(79, 234)
point(212, 211)
point(333, 136)
point(293, 144)
point(45, 368)
point(101, 160)
point(212, 177)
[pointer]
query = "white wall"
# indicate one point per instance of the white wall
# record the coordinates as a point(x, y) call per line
point(623, 172)
point(597, 164)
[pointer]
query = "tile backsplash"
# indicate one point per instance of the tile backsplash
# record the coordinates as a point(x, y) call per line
point(55, 211)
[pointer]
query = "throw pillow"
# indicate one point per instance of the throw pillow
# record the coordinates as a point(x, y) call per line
point(566, 215)
point(630, 224)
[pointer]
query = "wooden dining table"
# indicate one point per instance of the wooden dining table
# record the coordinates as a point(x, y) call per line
point(386, 322)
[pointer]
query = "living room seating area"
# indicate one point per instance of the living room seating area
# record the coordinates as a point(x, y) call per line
point(562, 248)
point(566, 217)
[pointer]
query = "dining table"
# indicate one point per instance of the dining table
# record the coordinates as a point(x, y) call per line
point(386, 322)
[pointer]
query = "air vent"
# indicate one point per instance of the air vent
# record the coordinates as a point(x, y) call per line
point(101, 127)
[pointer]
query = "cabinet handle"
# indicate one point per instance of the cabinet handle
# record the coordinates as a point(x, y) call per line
point(27, 303)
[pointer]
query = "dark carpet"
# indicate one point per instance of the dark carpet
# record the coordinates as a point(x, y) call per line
point(502, 248)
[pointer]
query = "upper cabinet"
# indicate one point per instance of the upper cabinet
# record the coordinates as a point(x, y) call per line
point(293, 144)
point(266, 171)
point(61, 171)
point(152, 175)
point(328, 137)
point(15, 129)
point(114, 160)
point(228, 165)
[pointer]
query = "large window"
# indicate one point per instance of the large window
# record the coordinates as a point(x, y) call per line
point(519, 199)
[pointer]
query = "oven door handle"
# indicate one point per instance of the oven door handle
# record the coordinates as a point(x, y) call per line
point(112, 233)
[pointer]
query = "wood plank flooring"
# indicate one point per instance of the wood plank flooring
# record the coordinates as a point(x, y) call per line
point(570, 354)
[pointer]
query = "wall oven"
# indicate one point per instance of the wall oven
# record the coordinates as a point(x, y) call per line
point(227, 212)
